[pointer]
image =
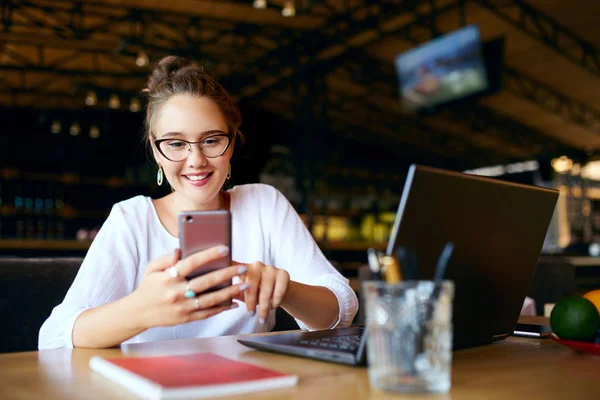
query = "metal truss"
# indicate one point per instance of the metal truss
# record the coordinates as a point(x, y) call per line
point(352, 130)
point(372, 72)
point(93, 33)
point(547, 31)
point(252, 59)
point(404, 126)
point(68, 19)
point(401, 130)
point(356, 118)
point(549, 98)
point(306, 7)
point(250, 70)
point(319, 52)
point(421, 28)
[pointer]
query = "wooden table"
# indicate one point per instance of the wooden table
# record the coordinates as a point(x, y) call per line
point(582, 261)
point(515, 368)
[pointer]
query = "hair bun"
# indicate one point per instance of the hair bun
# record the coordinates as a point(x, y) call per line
point(165, 68)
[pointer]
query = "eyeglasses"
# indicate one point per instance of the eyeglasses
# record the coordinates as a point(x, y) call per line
point(212, 146)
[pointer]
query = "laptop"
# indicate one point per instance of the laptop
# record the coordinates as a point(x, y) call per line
point(497, 228)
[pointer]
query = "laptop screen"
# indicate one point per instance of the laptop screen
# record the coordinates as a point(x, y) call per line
point(497, 229)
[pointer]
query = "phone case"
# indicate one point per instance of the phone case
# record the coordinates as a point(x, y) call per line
point(200, 230)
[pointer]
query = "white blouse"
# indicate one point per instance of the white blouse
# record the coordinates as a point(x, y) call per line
point(265, 228)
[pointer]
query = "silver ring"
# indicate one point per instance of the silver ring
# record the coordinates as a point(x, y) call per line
point(197, 303)
point(173, 272)
point(189, 293)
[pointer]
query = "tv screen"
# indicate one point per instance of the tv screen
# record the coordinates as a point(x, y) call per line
point(448, 68)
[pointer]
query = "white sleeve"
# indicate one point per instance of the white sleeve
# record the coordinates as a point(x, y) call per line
point(107, 273)
point(294, 249)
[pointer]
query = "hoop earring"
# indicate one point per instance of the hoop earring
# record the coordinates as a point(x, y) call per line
point(159, 176)
point(228, 177)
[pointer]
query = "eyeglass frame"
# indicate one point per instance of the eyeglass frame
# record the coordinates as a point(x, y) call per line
point(210, 134)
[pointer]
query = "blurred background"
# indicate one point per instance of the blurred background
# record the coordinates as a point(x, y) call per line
point(338, 98)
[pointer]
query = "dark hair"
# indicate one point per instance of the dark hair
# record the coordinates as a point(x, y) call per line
point(174, 76)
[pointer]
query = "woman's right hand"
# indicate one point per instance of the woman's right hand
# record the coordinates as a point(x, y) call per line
point(161, 299)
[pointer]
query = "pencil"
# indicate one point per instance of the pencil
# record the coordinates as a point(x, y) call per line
point(391, 270)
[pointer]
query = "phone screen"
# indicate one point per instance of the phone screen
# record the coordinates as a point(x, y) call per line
point(529, 330)
point(200, 230)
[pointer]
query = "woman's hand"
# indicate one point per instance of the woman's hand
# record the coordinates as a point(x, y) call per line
point(267, 287)
point(161, 296)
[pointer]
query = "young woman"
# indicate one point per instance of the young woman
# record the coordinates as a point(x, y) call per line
point(131, 286)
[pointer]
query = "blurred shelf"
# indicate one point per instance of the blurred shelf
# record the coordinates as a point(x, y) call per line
point(345, 173)
point(584, 261)
point(32, 244)
point(351, 246)
point(348, 213)
point(69, 178)
point(67, 212)
point(333, 213)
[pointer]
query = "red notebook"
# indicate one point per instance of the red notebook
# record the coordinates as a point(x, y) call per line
point(189, 376)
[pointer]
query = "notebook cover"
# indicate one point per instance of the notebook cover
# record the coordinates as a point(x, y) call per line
point(204, 372)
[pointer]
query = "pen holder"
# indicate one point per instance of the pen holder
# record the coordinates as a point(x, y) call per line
point(409, 335)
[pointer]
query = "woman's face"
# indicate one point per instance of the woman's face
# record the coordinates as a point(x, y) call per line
point(197, 180)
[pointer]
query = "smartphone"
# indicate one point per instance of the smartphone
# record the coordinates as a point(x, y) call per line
point(529, 330)
point(200, 230)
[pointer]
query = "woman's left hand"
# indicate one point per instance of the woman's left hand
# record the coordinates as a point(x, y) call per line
point(267, 286)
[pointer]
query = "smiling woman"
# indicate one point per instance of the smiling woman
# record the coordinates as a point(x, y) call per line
point(131, 286)
point(187, 119)
point(187, 104)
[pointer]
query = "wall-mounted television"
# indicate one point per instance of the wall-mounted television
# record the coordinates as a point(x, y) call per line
point(443, 70)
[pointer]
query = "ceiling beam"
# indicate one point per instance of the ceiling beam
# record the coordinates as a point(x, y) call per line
point(238, 12)
point(550, 99)
point(435, 139)
point(72, 72)
point(476, 118)
point(547, 31)
point(543, 95)
point(354, 130)
point(320, 51)
point(56, 20)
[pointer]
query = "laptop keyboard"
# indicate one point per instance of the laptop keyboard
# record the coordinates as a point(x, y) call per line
point(349, 342)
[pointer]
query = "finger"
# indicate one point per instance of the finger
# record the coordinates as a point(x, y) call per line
point(253, 277)
point(199, 259)
point(215, 298)
point(164, 262)
point(267, 282)
point(209, 312)
point(243, 275)
point(239, 296)
point(282, 282)
point(204, 282)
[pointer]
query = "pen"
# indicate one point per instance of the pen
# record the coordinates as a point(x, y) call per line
point(442, 263)
point(391, 270)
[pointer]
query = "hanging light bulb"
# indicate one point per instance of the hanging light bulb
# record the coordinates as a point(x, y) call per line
point(114, 102)
point(562, 164)
point(260, 4)
point(56, 127)
point(91, 99)
point(134, 106)
point(75, 129)
point(288, 9)
point(94, 132)
point(142, 59)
